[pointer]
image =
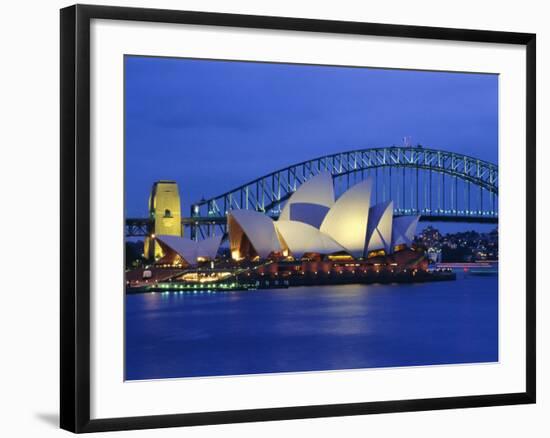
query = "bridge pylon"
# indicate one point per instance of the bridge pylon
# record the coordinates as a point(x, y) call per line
point(164, 214)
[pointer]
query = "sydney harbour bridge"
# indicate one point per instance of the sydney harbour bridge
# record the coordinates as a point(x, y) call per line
point(435, 184)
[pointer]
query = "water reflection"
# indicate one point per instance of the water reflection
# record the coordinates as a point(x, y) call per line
point(311, 328)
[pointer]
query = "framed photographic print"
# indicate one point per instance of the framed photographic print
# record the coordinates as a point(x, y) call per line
point(273, 218)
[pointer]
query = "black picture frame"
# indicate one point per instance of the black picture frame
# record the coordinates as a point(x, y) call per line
point(75, 217)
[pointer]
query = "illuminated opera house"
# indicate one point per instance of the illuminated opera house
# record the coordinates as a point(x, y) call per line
point(313, 225)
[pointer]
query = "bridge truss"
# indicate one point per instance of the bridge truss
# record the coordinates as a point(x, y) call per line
point(435, 184)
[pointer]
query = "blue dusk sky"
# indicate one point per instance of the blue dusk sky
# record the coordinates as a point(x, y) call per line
point(213, 125)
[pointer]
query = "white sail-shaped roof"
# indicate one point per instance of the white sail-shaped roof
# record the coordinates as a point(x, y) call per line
point(317, 190)
point(379, 229)
point(404, 229)
point(312, 214)
point(191, 250)
point(208, 248)
point(301, 238)
point(185, 247)
point(258, 228)
point(346, 222)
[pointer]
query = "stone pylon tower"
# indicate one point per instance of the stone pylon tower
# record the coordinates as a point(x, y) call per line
point(165, 214)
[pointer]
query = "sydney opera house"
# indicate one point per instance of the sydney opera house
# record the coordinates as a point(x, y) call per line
point(313, 225)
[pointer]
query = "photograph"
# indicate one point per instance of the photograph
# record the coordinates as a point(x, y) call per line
point(285, 218)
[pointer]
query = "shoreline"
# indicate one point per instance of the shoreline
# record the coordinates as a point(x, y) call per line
point(308, 279)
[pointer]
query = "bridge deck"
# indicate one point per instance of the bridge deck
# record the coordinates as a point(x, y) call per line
point(140, 226)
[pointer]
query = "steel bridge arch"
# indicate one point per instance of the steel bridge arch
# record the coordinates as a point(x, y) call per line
point(269, 191)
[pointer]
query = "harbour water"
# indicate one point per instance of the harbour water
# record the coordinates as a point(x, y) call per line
point(170, 335)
